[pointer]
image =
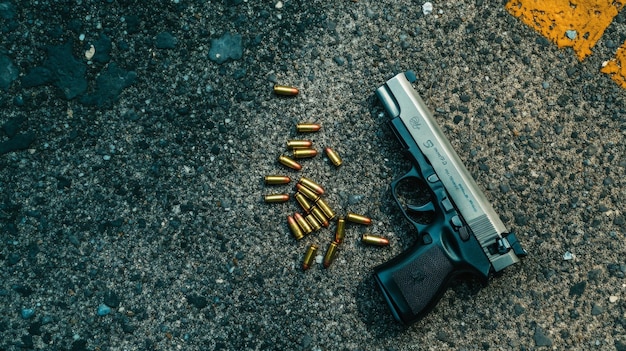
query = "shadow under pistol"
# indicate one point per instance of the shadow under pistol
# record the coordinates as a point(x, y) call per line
point(465, 234)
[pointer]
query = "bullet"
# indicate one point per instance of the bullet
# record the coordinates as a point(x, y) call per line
point(285, 90)
point(307, 127)
point(276, 179)
point(304, 203)
point(333, 156)
point(295, 228)
point(299, 144)
point(286, 161)
point(356, 218)
point(277, 198)
point(310, 194)
point(340, 232)
point(313, 222)
point(311, 185)
point(330, 254)
point(374, 240)
point(304, 225)
point(304, 153)
point(319, 215)
point(309, 256)
point(328, 212)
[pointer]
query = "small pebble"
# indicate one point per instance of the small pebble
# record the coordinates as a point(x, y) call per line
point(27, 313)
point(427, 8)
point(571, 34)
point(103, 310)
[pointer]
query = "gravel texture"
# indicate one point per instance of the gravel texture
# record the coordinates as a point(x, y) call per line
point(131, 184)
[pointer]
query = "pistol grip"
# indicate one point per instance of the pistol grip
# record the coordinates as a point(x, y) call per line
point(414, 281)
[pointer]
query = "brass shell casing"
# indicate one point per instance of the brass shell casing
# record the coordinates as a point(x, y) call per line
point(273, 198)
point(310, 194)
point(304, 225)
point(286, 161)
point(319, 215)
point(357, 218)
point(276, 179)
point(295, 228)
point(285, 90)
point(309, 256)
point(340, 232)
point(299, 144)
point(311, 185)
point(333, 156)
point(328, 212)
point(304, 153)
point(374, 240)
point(330, 254)
point(304, 203)
point(315, 224)
point(308, 127)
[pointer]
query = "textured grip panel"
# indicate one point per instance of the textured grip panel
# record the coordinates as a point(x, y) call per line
point(423, 279)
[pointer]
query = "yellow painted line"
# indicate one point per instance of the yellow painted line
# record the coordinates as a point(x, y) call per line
point(567, 23)
point(616, 67)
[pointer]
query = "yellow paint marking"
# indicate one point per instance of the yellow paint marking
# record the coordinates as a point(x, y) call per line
point(616, 67)
point(554, 18)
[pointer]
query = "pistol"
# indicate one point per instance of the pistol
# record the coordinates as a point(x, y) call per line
point(459, 232)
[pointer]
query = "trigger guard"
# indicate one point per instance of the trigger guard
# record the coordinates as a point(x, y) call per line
point(427, 207)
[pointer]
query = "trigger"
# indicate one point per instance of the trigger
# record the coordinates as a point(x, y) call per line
point(428, 207)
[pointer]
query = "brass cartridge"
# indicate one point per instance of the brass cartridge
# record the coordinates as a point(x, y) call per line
point(333, 156)
point(309, 256)
point(304, 225)
point(356, 218)
point(311, 185)
point(286, 161)
point(307, 127)
point(276, 179)
point(295, 228)
point(285, 90)
point(340, 232)
point(328, 212)
point(304, 203)
point(330, 254)
point(319, 215)
point(304, 153)
point(276, 198)
point(299, 144)
point(374, 240)
point(313, 222)
point(310, 194)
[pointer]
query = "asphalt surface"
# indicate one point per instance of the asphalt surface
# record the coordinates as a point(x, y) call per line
point(132, 182)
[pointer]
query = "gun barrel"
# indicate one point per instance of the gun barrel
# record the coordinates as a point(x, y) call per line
point(402, 101)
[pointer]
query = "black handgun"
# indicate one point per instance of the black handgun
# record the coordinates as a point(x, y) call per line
point(459, 231)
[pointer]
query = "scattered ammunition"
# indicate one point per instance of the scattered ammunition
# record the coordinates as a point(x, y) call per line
point(315, 224)
point(340, 232)
point(333, 156)
point(304, 203)
point(356, 218)
point(328, 212)
point(276, 179)
point(299, 144)
point(285, 90)
point(304, 153)
point(374, 240)
point(330, 254)
point(295, 228)
point(310, 194)
point(307, 127)
point(319, 215)
point(277, 198)
point(309, 256)
point(289, 163)
point(311, 185)
point(304, 225)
